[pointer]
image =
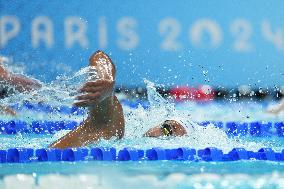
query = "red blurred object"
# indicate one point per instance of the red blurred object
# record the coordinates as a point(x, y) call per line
point(181, 93)
point(184, 93)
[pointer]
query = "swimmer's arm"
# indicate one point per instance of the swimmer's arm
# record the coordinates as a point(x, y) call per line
point(78, 137)
point(104, 121)
point(105, 109)
point(105, 117)
point(21, 83)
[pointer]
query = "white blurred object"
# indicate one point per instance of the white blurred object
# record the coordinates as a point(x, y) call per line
point(19, 181)
point(282, 90)
point(206, 89)
point(244, 89)
point(89, 181)
point(71, 182)
point(55, 182)
point(276, 109)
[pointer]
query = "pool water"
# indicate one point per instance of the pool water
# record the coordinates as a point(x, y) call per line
point(155, 174)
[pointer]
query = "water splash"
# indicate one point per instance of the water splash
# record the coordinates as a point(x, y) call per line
point(138, 121)
point(60, 91)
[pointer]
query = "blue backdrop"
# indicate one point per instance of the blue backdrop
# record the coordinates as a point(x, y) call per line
point(223, 42)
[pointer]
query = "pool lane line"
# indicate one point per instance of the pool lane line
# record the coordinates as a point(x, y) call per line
point(28, 155)
point(232, 128)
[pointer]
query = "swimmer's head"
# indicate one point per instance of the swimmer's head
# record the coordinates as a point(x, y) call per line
point(167, 128)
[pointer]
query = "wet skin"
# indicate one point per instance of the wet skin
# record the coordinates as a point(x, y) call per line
point(176, 128)
point(105, 118)
point(18, 82)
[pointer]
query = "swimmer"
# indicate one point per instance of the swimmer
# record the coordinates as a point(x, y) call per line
point(11, 83)
point(105, 118)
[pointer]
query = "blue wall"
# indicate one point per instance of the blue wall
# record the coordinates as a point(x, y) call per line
point(225, 43)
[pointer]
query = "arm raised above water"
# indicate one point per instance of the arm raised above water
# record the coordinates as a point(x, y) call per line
point(105, 117)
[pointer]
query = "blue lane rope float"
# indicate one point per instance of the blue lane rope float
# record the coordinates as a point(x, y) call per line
point(46, 108)
point(37, 127)
point(63, 109)
point(106, 154)
point(135, 104)
point(257, 128)
point(130, 154)
point(26, 155)
point(48, 154)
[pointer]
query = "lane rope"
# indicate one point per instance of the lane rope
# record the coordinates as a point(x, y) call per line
point(234, 128)
point(27, 155)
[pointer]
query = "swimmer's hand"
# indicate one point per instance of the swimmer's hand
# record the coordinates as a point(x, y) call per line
point(94, 92)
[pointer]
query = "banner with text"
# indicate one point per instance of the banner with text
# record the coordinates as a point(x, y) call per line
point(220, 43)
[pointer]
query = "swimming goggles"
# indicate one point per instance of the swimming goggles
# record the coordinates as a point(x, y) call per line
point(167, 129)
